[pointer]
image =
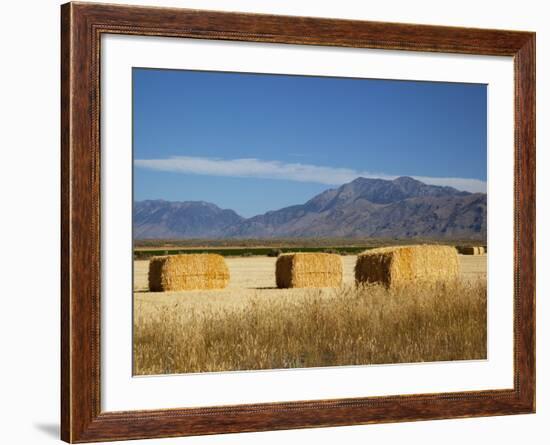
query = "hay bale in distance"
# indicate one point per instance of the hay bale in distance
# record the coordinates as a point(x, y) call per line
point(187, 272)
point(308, 270)
point(467, 250)
point(400, 265)
point(471, 250)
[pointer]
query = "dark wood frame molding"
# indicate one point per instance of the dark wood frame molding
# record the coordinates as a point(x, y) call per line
point(82, 25)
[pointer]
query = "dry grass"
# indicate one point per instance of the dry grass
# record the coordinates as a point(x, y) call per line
point(345, 326)
point(308, 270)
point(187, 272)
point(396, 266)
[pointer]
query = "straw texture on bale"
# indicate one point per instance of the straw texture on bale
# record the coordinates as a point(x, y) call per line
point(308, 270)
point(402, 265)
point(471, 250)
point(187, 272)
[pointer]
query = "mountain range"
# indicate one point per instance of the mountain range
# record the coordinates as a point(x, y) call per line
point(399, 208)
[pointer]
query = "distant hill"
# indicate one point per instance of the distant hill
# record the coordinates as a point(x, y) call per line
point(157, 219)
point(401, 208)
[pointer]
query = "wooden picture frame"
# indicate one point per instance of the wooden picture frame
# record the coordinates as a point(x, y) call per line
point(82, 25)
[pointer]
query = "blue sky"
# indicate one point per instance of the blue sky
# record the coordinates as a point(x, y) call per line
point(256, 142)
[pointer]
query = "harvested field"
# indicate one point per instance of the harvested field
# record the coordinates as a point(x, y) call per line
point(259, 273)
point(473, 267)
point(214, 330)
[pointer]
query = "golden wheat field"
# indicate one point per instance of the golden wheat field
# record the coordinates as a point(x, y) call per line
point(253, 325)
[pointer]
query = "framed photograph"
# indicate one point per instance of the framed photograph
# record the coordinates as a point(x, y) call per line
point(274, 222)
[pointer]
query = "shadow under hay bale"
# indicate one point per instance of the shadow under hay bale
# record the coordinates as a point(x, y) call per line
point(470, 250)
point(308, 270)
point(187, 272)
point(406, 265)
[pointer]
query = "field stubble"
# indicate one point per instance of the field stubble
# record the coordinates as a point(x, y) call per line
point(252, 325)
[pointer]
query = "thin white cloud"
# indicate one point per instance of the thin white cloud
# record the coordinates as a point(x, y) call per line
point(465, 184)
point(256, 168)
